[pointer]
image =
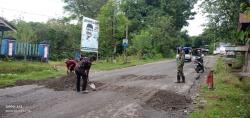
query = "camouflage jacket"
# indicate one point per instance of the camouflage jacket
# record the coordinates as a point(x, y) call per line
point(181, 60)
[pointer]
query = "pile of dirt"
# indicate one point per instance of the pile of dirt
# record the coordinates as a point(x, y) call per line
point(58, 84)
point(168, 101)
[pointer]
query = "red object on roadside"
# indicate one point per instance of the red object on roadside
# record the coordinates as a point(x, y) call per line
point(71, 64)
point(210, 80)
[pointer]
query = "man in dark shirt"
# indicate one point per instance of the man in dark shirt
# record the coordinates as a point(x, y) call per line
point(82, 72)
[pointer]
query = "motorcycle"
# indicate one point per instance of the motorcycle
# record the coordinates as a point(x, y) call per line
point(198, 62)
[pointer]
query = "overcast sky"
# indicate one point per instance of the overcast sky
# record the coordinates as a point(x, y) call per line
point(31, 10)
point(42, 10)
point(195, 26)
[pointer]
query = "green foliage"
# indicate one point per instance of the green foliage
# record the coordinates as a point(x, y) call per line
point(25, 31)
point(142, 43)
point(163, 20)
point(223, 18)
point(154, 27)
point(21, 67)
point(112, 27)
point(229, 99)
point(80, 8)
point(64, 38)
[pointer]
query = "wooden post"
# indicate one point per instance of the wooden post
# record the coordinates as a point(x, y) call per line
point(126, 56)
point(2, 35)
point(1, 38)
point(246, 61)
point(97, 58)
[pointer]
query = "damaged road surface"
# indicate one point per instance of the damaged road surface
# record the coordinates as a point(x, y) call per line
point(145, 91)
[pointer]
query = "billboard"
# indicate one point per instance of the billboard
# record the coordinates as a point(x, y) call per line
point(125, 43)
point(90, 35)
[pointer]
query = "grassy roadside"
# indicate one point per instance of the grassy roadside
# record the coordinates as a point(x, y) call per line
point(229, 99)
point(12, 71)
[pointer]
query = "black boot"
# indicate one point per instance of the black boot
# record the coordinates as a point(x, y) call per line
point(178, 78)
point(183, 79)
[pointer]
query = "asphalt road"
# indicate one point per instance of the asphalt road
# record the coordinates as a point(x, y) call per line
point(134, 92)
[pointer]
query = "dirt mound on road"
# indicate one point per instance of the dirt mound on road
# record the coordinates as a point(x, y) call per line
point(58, 84)
point(168, 101)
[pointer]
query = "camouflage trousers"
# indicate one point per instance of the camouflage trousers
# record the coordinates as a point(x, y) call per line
point(180, 74)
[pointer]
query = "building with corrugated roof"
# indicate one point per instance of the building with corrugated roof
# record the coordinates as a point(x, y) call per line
point(5, 26)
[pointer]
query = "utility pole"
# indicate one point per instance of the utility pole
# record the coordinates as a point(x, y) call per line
point(113, 34)
point(214, 36)
point(2, 35)
point(126, 56)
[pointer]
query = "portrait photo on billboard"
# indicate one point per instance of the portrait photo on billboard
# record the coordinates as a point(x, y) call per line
point(90, 35)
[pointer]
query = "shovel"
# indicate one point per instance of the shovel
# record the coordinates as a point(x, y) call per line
point(92, 85)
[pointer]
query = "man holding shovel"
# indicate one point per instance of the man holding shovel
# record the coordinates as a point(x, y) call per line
point(82, 72)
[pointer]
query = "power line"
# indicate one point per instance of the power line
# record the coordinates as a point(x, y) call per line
point(2, 9)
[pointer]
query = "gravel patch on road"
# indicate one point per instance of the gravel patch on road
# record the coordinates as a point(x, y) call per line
point(168, 101)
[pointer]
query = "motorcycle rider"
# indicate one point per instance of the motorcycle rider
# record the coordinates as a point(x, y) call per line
point(200, 59)
point(199, 62)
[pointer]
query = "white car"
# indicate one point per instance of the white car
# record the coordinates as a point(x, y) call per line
point(216, 52)
point(188, 57)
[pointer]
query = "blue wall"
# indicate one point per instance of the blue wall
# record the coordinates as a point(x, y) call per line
point(23, 49)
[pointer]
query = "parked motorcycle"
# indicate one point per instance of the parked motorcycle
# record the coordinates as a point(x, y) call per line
point(198, 62)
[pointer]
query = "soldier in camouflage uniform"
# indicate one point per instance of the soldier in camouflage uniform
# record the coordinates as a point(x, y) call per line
point(180, 64)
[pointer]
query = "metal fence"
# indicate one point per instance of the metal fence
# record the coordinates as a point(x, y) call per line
point(12, 48)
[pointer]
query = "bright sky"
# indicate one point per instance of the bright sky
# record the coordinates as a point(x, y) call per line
point(43, 10)
point(31, 10)
point(195, 26)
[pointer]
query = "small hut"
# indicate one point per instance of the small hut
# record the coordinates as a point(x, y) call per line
point(5, 26)
point(244, 22)
point(243, 25)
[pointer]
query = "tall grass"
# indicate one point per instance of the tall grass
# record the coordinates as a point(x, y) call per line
point(22, 67)
point(229, 99)
point(11, 71)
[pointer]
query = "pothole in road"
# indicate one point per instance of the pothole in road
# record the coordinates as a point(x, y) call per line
point(151, 77)
point(58, 84)
point(127, 77)
point(168, 101)
point(141, 77)
point(2, 111)
point(124, 89)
